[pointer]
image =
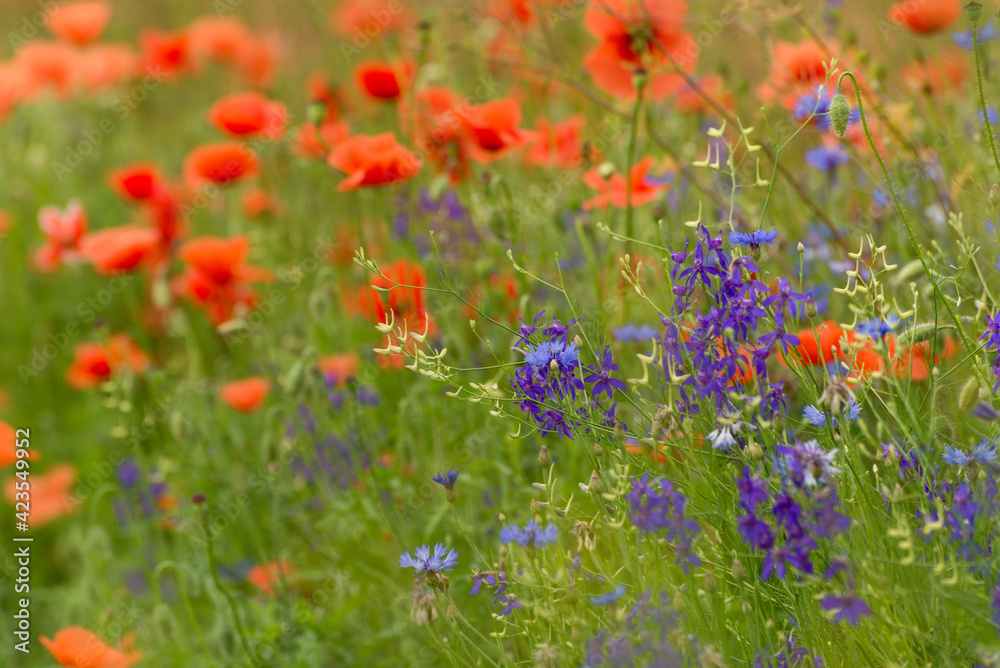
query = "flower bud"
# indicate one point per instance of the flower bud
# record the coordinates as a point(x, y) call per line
point(316, 112)
point(739, 573)
point(639, 79)
point(970, 395)
point(840, 114)
point(606, 170)
point(596, 486)
point(544, 458)
point(755, 452)
point(810, 306)
point(995, 195)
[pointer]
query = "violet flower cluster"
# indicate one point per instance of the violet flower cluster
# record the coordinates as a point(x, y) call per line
point(658, 507)
point(731, 306)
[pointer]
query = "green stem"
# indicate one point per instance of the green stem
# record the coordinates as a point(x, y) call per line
point(630, 158)
point(213, 566)
point(906, 224)
point(982, 98)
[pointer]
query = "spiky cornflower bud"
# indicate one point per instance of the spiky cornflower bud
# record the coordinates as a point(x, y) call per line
point(596, 486)
point(840, 115)
point(198, 499)
point(973, 11)
point(739, 573)
point(544, 458)
point(970, 395)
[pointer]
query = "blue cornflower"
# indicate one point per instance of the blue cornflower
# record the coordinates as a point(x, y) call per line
point(609, 597)
point(991, 112)
point(753, 490)
point(637, 333)
point(964, 39)
point(807, 464)
point(446, 479)
point(877, 328)
point(601, 377)
point(814, 416)
point(426, 562)
point(755, 238)
point(827, 158)
point(853, 410)
point(756, 532)
point(848, 607)
point(531, 535)
point(955, 457)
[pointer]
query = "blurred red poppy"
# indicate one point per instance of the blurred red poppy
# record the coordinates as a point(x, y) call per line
point(136, 182)
point(63, 230)
point(614, 190)
point(77, 647)
point(95, 363)
point(374, 160)
point(219, 163)
point(557, 144)
point(383, 81)
point(216, 278)
point(492, 128)
point(249, 115)
point(924, 17)
point(119, 249)
point(634, 34)
point(246, 395)
point(79, 22)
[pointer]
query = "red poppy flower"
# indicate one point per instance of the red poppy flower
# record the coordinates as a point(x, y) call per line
point(688, 100)
point(118, 249)
point(216, 278)
point(339, 367)
point(924, 17)
point(257, 202)
point(613, 191)
point(101, 67)
point(222, 39)
point(817, 347)
point(77, 647)
point(266, 577)
point(798, 68)
point(168, 54)
point(383, 81)
point(245, 396)
point(557, 144)
point(63, 230)
point(438, 129)
point(79, 22)
point(373, 161)
point(95, 363)
point(48, 66)
point(8, 446)
point(638, 33)
point(310, 143)
point(136, 182)
point(249, 115)
point(221, 163)
point(492, 128)
point(944, 73)
point(369, 19)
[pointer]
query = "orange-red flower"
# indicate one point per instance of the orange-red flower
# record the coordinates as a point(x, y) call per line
point(79, 648)
point(100, 67)
point(79, 22)
point(266, 577)
point(339, 367)
point(492, 128)
point(798, 68)
point(245, 396)
point(63, 230)
point(136, 182)
point(221, 163)
point(257, 202)
point(310, 143)
point(383, 81)
point(924, 17)
point(8, 446)
point(167, 54)
point(118, 249)
point(95, 363)
point(51, 495)
point(367, 20)
point(937, 76)
point(614, 190)
point(249, 115)
point(638, 33)
point(557, 144)
point(217, 278)
point(48, 65)
point(439, 125)
point(373, 160)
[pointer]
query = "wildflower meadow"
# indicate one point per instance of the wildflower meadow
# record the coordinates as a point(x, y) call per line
point(541, 333)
